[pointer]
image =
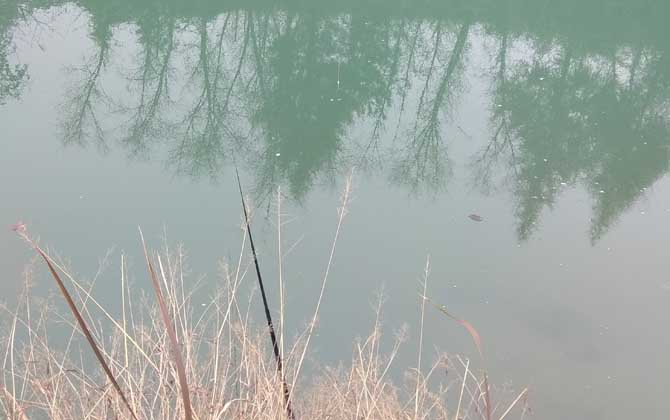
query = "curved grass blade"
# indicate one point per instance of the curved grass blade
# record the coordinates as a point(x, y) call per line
point(478, 343)
point(21, 230)
point(176, 354)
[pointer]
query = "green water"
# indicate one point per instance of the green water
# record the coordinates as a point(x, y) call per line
point(550, 120)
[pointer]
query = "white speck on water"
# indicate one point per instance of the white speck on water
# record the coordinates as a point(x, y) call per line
point(332, 99)
point(644, 142)
point(541, 79)
point(545, 160)
point(203, 304)
point(81, 197)
point(277, 154)
point(499, 105)
point(602, 191)
point(564, 183)
point(641, 212)
point(609, 249)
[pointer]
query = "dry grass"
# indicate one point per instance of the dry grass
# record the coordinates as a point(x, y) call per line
point(173, 359)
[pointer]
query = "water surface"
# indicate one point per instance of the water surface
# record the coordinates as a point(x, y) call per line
point(549, 120)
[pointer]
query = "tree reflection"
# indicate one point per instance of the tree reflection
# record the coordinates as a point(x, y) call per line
point(563, 118)
point(298, 96)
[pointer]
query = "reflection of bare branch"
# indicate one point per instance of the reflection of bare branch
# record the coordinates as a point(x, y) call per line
point(406, 79)
point(501, 144)
point(206, 125)
point(80, 107)
point(390, 79)
point(147, 123)
point(426, 163)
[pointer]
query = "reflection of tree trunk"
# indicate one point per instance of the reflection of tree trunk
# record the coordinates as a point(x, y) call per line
point(84, 107)
point(431, 68)
point(502, 60)
point(146, 112)
point(380, 116)
point(633, 68)
point(239, 64)
point(454, 60)
point(564, 69)
point(260, 73)
point(405, 86)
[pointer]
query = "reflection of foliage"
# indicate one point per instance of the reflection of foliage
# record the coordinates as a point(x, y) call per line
point(319, 82)
point(561, 118)
point(12, 76)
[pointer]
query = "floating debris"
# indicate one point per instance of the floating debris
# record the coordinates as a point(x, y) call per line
point(475, 217)
point(277, 154)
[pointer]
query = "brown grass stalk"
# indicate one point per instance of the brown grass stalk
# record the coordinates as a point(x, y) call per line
point(21, 230)
point(169, 327)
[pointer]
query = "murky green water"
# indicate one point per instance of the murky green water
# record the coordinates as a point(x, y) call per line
point(549, 119)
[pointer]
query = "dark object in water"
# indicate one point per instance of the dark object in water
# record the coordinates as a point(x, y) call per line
point(475, 217)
